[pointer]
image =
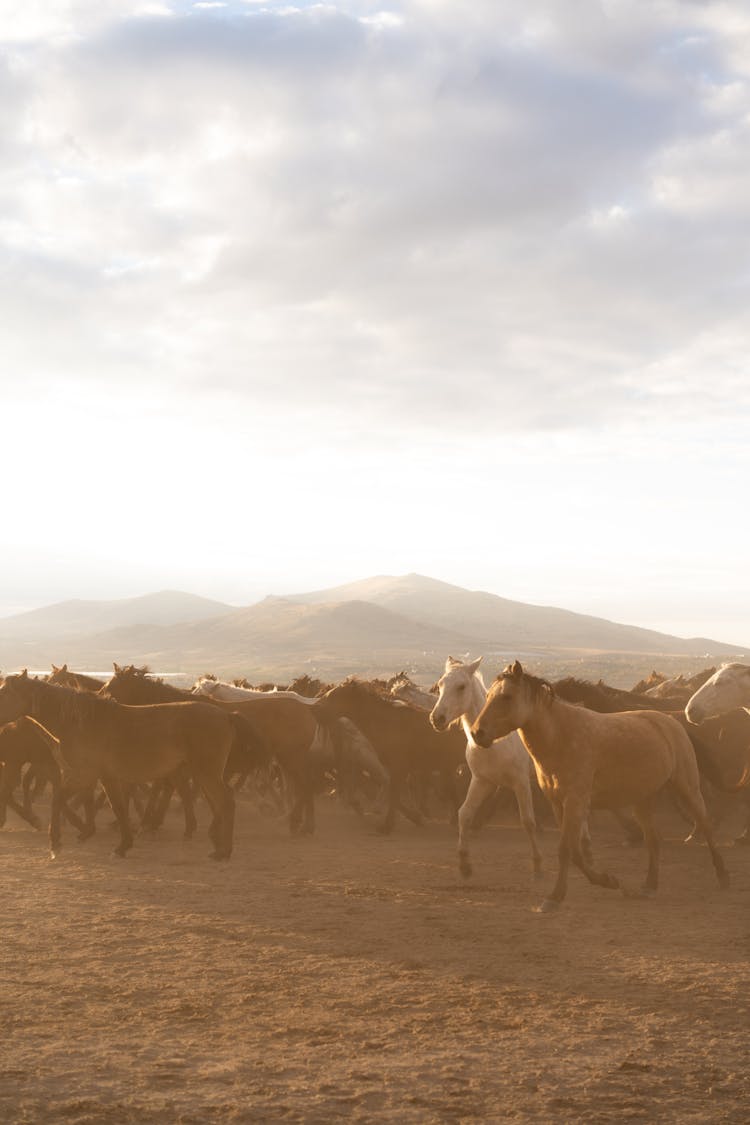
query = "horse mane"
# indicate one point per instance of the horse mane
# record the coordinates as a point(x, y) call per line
point(78, 707)
point(539, 686)
point(133, 670)
point(375, 689)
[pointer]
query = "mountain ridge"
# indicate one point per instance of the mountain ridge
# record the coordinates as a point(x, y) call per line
point(374, 626)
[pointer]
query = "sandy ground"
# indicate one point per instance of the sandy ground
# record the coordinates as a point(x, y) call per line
point(354, 977)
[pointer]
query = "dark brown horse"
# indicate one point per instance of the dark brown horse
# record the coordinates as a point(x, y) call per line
point(26, 742)
point(135, 687)
point(101, 739)
point(401, 736)
point(585, 759)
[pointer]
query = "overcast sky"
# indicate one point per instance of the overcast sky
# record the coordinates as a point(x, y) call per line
point(294, 294)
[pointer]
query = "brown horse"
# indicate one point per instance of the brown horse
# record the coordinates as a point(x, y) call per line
point(26, 741)
point(101, 739)
point(402, 738)
point(585, 759)
point(79, 680)
point(136, 687)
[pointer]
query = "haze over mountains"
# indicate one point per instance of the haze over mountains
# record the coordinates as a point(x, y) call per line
point(373, 627)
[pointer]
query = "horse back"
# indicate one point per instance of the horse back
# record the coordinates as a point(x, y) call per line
point(641, 751)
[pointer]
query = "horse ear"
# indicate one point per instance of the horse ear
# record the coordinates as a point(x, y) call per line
point(64, 668)
point(474, 665)
point(55, 668)
point(25, 674)
point(116, 667)
point(449, 663)
point(516, 670)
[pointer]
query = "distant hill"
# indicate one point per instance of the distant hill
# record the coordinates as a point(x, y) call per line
point(76, 617)
point(374, 627)
point(496, 621)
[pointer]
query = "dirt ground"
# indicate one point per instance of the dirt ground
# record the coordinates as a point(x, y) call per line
point(359, 978)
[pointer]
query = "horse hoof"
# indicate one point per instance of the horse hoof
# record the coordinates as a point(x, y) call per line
point(724, 881)
point(53, 854)
point(120, 853)
point(743, 840)
point(35, 822)
point(641, 892)
point(611, 883)
point(549, 906)
point(464, 866)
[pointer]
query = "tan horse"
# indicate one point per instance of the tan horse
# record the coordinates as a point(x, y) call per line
point(119, 745)
point(584, 759)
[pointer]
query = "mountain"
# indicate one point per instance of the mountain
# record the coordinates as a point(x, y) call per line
point(494, 621)
point(77, 617)
point(373, 627)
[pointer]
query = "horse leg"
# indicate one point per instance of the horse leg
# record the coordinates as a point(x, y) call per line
point(150, 812)
point(569, 816)
point(581, 856)
point(221, 800)
point(631, 826)
point(119, 804)
point(55, 818)
point(744, 837)
point(571, 834)
point(307, 799)
point(11, 778)
point(299, 797)
point(522, 792)
point(386, 825)
point(651, 838)
point(691, 796)
point(89, 813)
point(478, 792)
point(184, 789)
point(414, 812)
point(31, 781)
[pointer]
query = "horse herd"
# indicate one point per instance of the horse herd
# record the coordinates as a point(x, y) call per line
point(583, 746)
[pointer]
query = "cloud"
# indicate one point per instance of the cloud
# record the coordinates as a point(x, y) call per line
point(420, 206)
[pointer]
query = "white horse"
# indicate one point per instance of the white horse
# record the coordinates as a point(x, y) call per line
point(727, 690)
point(505, 763)
point(230, 693)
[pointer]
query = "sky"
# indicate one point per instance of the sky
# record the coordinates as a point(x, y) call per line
point(293, 294)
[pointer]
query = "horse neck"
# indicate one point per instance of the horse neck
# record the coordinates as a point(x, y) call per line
point(546, 727)
point(48, 706)
point(477, 701)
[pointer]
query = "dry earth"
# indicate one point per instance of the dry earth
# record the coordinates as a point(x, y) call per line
point(354, 977)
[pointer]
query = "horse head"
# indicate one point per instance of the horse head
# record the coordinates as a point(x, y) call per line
point(727, 690)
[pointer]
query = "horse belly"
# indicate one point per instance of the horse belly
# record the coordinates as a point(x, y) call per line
point(629, 781)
